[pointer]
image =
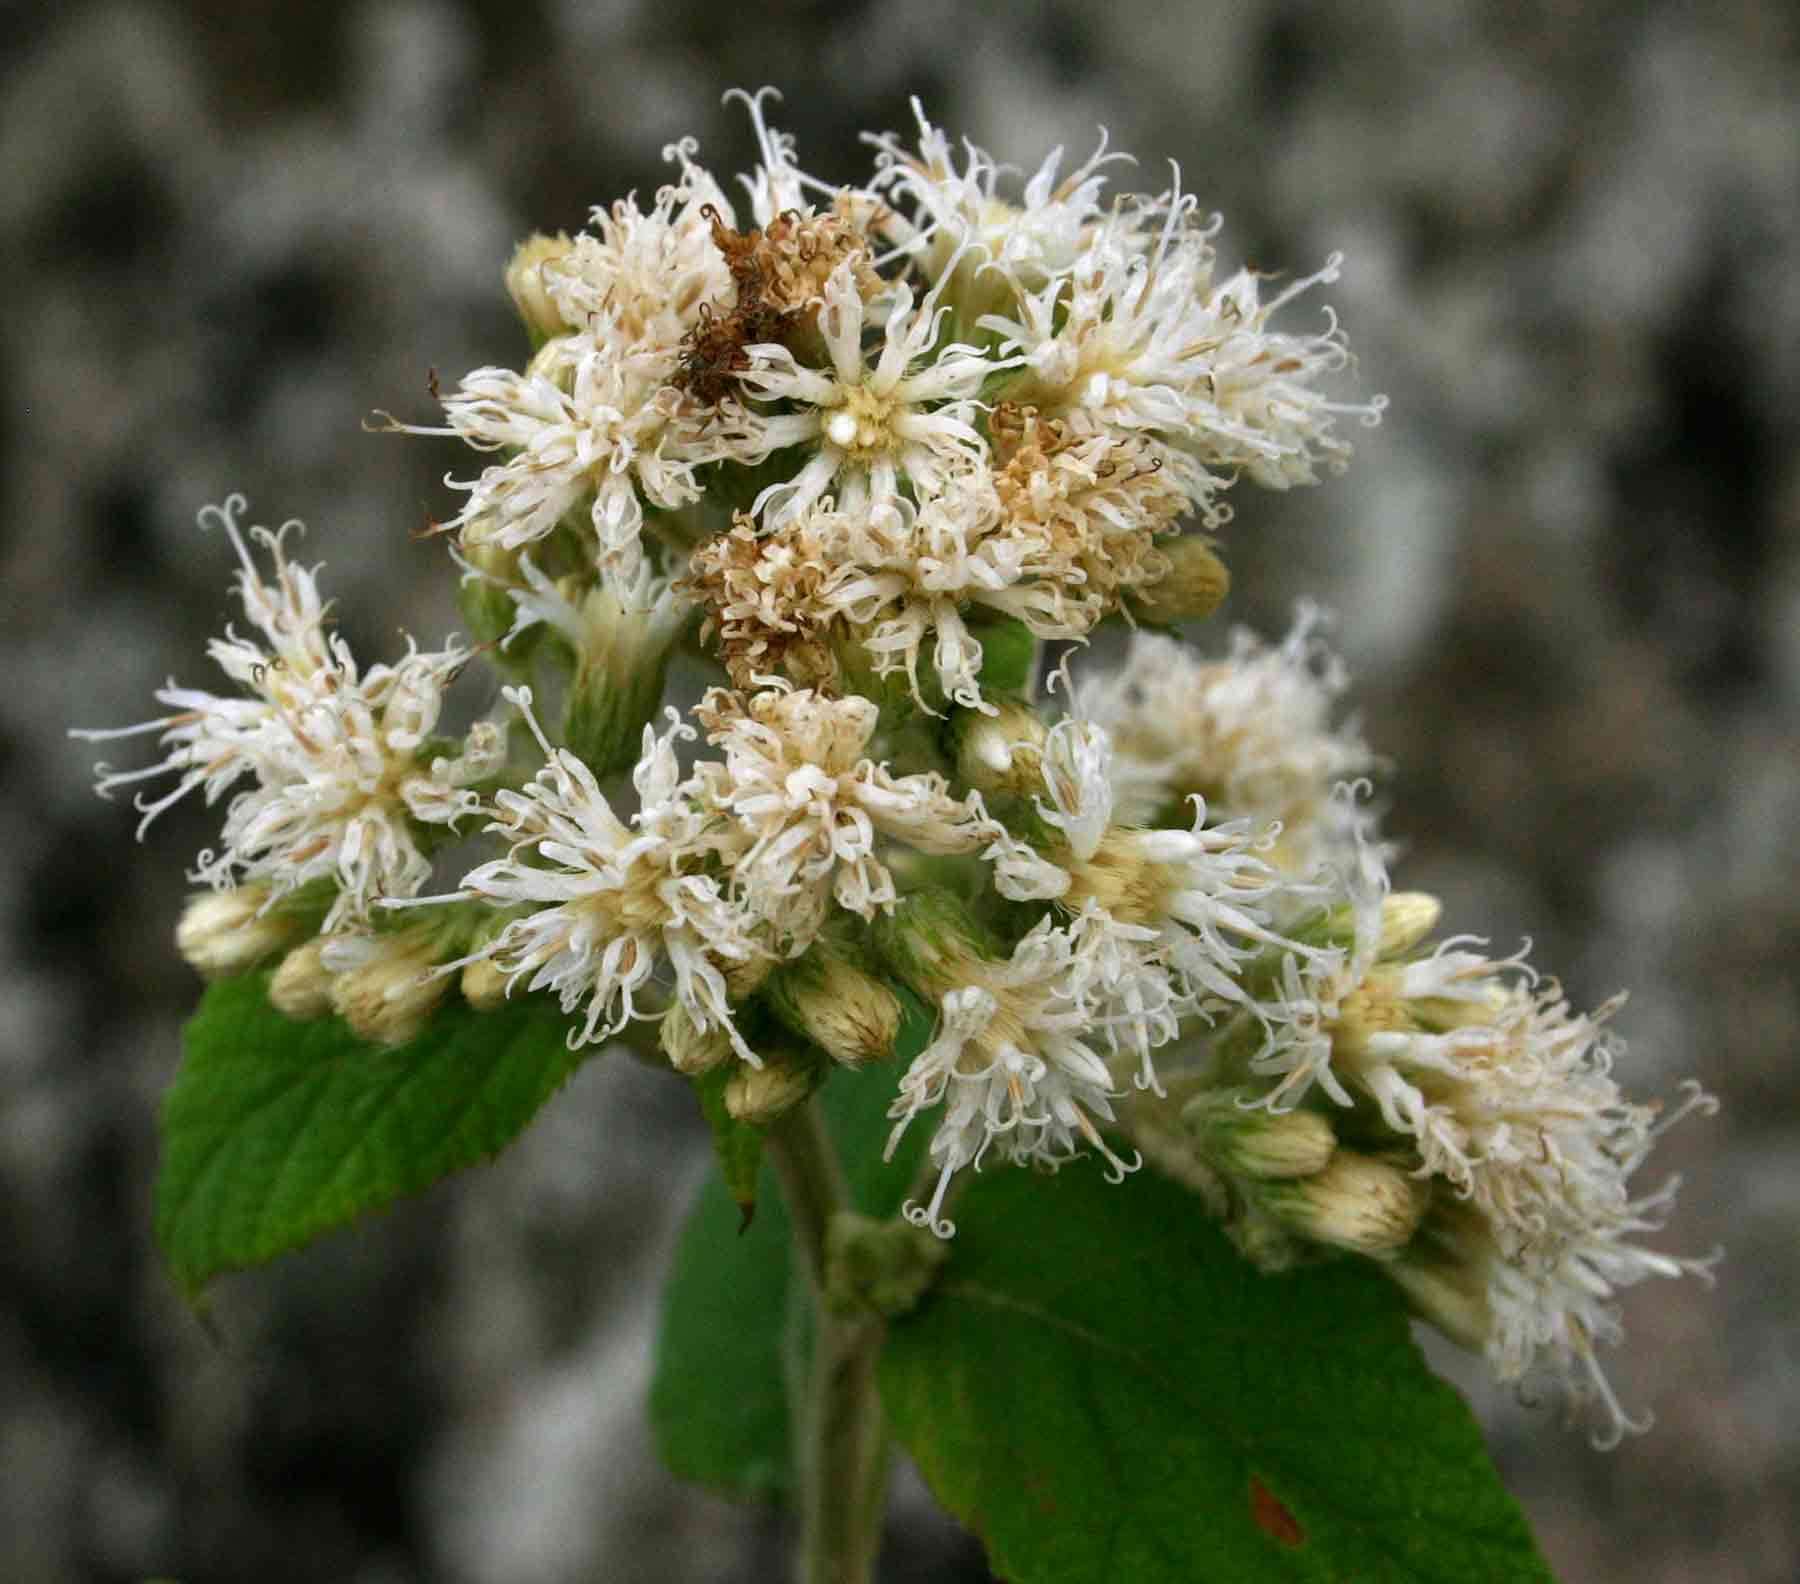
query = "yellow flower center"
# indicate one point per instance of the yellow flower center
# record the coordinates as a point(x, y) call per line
point(862, 426)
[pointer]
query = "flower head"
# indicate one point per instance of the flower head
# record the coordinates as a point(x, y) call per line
point(1139, 335)
point(341, 759)
point(594, 425)
point(959, 222)
point(1251, 733)
point(879, 428)
point(603, 902)
point(1014, 1062)
point(811, 805)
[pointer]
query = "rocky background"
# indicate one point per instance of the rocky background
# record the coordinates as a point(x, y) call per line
point(1567, 570)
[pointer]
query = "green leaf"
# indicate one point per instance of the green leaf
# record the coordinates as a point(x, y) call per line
point(718, 1398)
point(1103, 1389)
point(718, 1405)
point(737, 1146)
point(276, 1131)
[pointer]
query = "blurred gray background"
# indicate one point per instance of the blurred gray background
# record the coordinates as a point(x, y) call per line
point(1567, 570)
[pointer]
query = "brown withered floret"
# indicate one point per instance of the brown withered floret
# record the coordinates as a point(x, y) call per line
point(1096, 501)
point(761, 596)
point(778, 274)
point(712, 355)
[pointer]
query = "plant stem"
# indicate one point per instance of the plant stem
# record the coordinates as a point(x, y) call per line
point(840, 1439)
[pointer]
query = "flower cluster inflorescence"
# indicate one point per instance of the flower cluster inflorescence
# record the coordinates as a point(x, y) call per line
point(858, 451)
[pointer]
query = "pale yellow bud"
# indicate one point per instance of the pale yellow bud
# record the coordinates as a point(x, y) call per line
point(690, 1049)
point(1002, 752)
point(1266, 1144)
point(745, 978)
point(385, 988)
point(758, 1095)
point(301, 988)
point(1195, 585)
point(1356, 1203)
point(525, 285)
point(1407, 917)
point(226, 932)
point(483, 984)
point(1451, 1297)
point(850, 1015)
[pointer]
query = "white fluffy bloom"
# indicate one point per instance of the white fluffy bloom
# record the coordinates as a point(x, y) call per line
point(335, 751)
point(879, 434)
point(958, 214)
point(812, 807)
point(1013, 1063)
point(610, 900)
point(1547, 1309)
point(579, 424)
point(1251, 733)
point(1505, 1097)
point(1207, 895)
point(917, 572)
point(1138, 334)
point(594, 419)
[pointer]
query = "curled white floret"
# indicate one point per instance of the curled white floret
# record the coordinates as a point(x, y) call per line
point(1252, 732)
point(812, 806)
point(878, 431)
point(1012, 1063)
point(1140, 335)
point(593, 428)
point(611, 900)
point(959, 213)
point(1544, 1308)
point(336, 754)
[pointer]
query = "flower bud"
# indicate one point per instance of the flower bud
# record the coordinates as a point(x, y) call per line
point(1359, 1204)
point(621, 661)
point(884, 1266)
point(745, 976)
point(483, 984)
point(1001, 752)
point(301, 988)
point(690, 1049)
point(1407, 917)
point(1452, 1297)
point(1194, 586)
point(850, 1015)
point(932, 941)
point(758, 1095)
point(1264, 1241)
point(525, 285)
point(385, 988)
point(227, 932)
point(1265, 1144)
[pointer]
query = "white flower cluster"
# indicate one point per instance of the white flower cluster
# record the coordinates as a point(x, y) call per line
point(1477, 1141)
point(348, 777)
point(860, 450)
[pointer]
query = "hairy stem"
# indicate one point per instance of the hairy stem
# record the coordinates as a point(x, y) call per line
point(840, 1439)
